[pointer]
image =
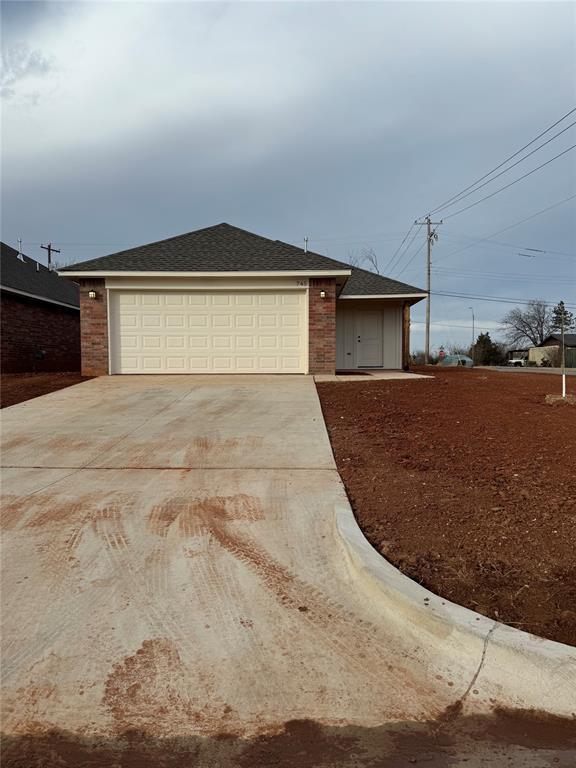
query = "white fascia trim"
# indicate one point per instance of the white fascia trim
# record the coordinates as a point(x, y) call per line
point(267, 273)
point(387, 296)
point(39, 298)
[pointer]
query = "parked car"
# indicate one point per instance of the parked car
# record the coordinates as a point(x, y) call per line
point(463, 360)
point(517, 362)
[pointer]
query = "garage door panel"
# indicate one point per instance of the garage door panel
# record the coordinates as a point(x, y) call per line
point(174, 321)
point(175, 300)
point(245, 321)
point(151, 321)
point(150, 300)
point(245, 300)
point(197, 363)
point(222, 342)
point(187, 332)
point(222, 321)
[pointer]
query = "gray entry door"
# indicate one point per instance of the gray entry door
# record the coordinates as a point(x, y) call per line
point(369, 346)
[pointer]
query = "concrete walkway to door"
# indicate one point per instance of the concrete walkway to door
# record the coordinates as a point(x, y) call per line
point(175, 584)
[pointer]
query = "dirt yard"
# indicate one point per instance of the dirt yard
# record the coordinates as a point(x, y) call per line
point(18, 387)
point(467, 483)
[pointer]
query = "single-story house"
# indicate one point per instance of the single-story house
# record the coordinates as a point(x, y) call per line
point(224, 300)
point(40, 316)
point(548, 351)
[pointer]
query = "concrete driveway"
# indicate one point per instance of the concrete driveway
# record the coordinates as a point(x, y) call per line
point(175, 587)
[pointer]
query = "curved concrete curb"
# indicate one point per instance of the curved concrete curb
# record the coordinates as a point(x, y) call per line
point(509, 668)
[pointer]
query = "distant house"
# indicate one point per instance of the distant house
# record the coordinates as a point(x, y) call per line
point(548, 351)
point(40, 317)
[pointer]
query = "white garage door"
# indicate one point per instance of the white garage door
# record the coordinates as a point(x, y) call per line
point(214, 332)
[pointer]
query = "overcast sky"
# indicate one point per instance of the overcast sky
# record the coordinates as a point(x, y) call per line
point(125, 123)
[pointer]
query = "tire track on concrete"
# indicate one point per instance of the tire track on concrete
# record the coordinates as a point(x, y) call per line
point(320, 611)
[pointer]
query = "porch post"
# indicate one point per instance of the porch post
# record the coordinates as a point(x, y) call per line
point(405, 336)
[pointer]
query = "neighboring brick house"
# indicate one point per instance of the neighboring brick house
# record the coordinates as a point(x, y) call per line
point(223, 300)
point(40, 318)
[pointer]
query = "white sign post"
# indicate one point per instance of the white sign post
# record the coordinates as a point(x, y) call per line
point(563, 358)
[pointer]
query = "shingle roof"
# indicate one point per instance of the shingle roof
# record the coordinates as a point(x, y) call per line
point(33, 278)
point(221, 248)
point(224, 248)
point(364, 283)
point(569, 338)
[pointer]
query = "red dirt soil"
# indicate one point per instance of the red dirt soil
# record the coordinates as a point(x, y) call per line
point(18, 387)
point(466, 482)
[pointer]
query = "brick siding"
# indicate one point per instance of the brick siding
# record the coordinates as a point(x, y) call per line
point(94, 328)
point(38, 336)
point(322, 325)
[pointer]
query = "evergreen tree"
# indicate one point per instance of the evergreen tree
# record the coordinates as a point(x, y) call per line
point(557, 313)
point(487, 352)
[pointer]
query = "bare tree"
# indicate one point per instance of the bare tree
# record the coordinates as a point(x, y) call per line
point(353, 258)
point(457, 349)
point(369, 256)
point(531, 325)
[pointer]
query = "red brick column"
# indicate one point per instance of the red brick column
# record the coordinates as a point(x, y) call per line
point(322, 325)
point(94, 328)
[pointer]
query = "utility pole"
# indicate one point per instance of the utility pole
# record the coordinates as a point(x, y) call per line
point(473, 345)
point(431, 238)
point(50, 248)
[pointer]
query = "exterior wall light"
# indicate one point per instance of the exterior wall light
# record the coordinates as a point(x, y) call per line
point(322, 294)
point(91, 294)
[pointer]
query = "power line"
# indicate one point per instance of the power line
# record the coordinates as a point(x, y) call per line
point(407, 248)
point(504, 162)
point(511, 184)
point(476, 188)
point(83, 245)
point(499, 299)
point(496, 273)
point(411, 259)
point(344, 239)
point(456, 325)
point(510, 226)
point(516, 246)
point(499, 276)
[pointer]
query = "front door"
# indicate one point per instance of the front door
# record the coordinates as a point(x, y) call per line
point(369, 352)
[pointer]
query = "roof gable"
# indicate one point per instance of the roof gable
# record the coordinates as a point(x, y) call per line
point(28, 276)
point(221, 248)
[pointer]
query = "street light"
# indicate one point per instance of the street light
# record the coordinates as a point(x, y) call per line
point(473, 334)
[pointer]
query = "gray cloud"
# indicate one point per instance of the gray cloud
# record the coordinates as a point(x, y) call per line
point(20, 62)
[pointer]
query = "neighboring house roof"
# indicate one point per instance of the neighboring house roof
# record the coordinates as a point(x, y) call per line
point(364, 283)
point(34, 280)
point(569, 339)
point(224, 248)
point(221, 248)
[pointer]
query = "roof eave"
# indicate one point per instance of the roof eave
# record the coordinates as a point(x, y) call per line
point(234, 273)
point(415, 296)
point(37, 297)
